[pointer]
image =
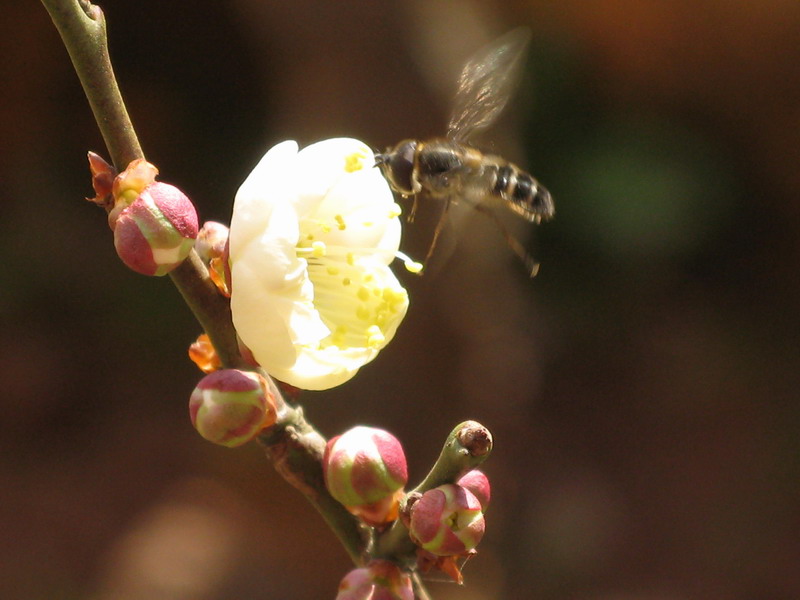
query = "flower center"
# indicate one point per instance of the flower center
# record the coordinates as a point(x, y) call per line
point(357, 296)
point(358, 299)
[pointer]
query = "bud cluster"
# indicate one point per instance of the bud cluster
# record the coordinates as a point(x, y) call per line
point(365, 469)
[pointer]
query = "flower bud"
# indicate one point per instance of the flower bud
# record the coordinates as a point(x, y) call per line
point(231, 407)
point(379, 580)
point(477, 483)
point(447, 520)
point(365, 467)
point(212, 248)
point(156, 232)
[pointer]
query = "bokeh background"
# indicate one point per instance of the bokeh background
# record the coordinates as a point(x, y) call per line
point(642, 390)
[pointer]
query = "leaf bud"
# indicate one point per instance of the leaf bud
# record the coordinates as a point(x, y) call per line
point(156, 232)
point(379, 580)
point(364, 469)
point(231, 407)
point(447, 520)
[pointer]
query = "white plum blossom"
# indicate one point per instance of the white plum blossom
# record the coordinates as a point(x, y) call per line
point(311, 239)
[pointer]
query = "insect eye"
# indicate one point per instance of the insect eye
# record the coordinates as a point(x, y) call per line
point(401, 166)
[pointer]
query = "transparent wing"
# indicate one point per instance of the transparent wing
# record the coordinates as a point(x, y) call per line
point(487, 82)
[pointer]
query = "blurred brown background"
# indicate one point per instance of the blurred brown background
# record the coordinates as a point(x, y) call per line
point(642, 390)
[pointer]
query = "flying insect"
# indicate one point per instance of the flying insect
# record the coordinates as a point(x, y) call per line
point(452, 169)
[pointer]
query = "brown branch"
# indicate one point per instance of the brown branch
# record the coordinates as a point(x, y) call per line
point(293, 445)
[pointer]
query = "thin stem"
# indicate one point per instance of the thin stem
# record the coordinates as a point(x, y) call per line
point(294, 446)
point(295, 449)
point(83, 29)
point(210, 308)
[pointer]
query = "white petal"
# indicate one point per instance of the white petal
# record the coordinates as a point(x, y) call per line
point(362, 205)
point(267, 186)
point(288, 202)
point(321, 166)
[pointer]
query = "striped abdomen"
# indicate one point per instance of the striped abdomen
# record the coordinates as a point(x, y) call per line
point(526, 196)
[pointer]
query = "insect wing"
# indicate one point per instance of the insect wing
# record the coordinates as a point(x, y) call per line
point(486, 83)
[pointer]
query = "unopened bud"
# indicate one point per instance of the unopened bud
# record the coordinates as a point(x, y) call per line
point(447, 520)
point(156, 232)
point(364, 469)
point(477, 483)
point(211, 240)
point(212, 248)
point(231, 407)
point(379, 580)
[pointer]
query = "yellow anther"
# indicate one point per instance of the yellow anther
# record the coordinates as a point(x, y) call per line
point(332, 270)
point(363, 294)
point(395, 211)
point(340, 221)
point(351, 259)
point(355, 161)
point(413, 266)
point(346, 281)
point(362, 312)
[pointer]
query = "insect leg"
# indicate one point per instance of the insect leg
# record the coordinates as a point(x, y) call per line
point(530, 264)
point(413, 212)
point(438, 229)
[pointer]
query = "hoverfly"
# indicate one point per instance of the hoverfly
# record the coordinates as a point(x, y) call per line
point(451, 168)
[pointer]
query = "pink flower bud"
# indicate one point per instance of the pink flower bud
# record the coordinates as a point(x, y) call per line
point(364, 466)
point(231, 407)
point(477, 483)
point(212, 248)
point(211, 241)
point(379, 580)
point(447, 520)
point(155, 233)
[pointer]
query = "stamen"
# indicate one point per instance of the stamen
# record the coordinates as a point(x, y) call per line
point(411, 266)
